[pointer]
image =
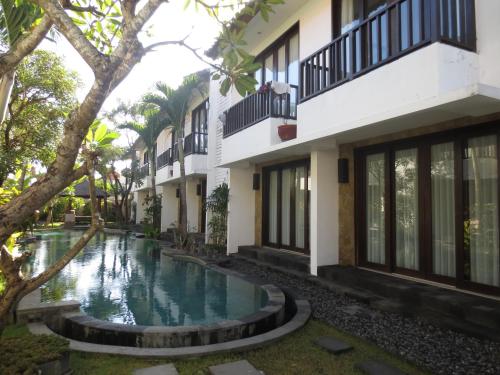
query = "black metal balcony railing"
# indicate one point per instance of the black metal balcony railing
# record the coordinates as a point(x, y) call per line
point(144, 171)
point(164, 159)
point(259, 106)
point(396, 30)
point(196, 143)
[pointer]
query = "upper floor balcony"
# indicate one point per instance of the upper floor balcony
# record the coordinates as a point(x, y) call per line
point(398, 29)
point(406, 64)
point(195, 151)
point(261, 105)
point(144, 178)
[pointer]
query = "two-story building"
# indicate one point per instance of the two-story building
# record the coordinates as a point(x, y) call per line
point(393, 162)
point(167, 173)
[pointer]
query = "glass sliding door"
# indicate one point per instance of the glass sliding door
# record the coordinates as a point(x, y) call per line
point(443, 209)
point(375, 208)
point(406, 209)
point(300, 206)
point(480, 185)
point(286, 206)
point(286, 184)
point(273, 208)
point(429, 207)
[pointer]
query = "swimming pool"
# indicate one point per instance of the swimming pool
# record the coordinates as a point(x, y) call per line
point(127, 280)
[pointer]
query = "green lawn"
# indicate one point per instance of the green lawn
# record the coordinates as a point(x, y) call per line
point(296, 354)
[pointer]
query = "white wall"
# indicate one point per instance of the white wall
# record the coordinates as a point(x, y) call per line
point(241, 217)
point(139, 197)
point(192, 205)
point(324, 225)
point(169, 206)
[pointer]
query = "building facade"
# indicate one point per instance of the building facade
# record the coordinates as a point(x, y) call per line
point(394, 162)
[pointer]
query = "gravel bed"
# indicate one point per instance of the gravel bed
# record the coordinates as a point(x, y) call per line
point(438, 350)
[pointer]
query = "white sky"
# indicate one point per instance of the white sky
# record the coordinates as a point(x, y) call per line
point(168, 63)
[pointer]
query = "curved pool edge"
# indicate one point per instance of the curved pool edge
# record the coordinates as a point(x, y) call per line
point(300, 318)
point(81, 326)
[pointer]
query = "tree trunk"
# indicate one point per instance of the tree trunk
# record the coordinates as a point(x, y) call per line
point(152, 167)
point(105, 185)
point(20, 183)
point(16, 285)
point(6, 84)
point(183, 190)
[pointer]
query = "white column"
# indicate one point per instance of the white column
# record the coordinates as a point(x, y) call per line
point(192, 205)
point(241, 216)
point(169, 206)
point(324, 222)
point(139, 199)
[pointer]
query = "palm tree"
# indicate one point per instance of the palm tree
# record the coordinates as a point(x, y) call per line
point(148, 132)
point(171, 106)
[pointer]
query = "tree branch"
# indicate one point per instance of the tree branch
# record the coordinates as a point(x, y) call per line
point(95, 59)
point(25, 45)
point(67, 4)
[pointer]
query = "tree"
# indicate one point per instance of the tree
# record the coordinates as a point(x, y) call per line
point(15, 19)
point(106, 37)
point(170, 106)
point(149, 131)
point(44, 92)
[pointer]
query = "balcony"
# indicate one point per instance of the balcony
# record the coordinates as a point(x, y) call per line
point(144, 177)
point(196, 143)
point(258, 107)
point(144, 171)
point(399, 29)
point(164, 159)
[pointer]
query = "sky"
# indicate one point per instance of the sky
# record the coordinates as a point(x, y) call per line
point(168, 63)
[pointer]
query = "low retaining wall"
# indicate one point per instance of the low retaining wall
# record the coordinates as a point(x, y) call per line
point(82, 327)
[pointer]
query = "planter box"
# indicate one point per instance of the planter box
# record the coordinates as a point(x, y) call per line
point(57, 367)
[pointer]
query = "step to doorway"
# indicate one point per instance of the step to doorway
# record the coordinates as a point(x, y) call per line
point(468, 313)
point(280, 258)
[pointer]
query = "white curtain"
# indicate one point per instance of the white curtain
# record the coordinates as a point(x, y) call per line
point(273, 207)
point(285, 206)
point(406, 186)
point(443, 209)
point(481, 228)
point(300, 190)
point(375, 208)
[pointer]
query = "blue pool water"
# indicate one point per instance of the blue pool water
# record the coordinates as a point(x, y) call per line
point(127, 280)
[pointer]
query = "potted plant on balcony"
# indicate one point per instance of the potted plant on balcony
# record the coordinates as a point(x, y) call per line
point(287, 131)
point(282, 91)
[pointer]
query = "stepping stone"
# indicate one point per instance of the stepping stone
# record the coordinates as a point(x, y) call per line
point(377, 368)
point(157, 370)
point(333, 345)
point(235, 368)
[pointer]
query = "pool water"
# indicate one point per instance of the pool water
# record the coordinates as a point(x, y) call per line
point(122, 279)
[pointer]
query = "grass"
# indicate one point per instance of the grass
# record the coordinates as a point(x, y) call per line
point(294, 355)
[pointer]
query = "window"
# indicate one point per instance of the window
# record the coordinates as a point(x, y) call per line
point(199, 129)
point(286, 206)
point(430, 207)
point(280, 62)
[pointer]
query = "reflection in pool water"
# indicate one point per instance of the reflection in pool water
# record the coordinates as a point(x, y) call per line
point(126, 280)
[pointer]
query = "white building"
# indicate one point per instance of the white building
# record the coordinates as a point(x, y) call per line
point(394, 166)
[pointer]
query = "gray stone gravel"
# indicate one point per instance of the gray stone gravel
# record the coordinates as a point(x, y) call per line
point(438, 350)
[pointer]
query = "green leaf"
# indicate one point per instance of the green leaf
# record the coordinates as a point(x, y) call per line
point(225, 86)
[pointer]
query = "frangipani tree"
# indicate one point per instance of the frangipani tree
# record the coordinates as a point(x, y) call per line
point(106, 35)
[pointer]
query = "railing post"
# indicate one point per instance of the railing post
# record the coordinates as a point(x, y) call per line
point(435, 19)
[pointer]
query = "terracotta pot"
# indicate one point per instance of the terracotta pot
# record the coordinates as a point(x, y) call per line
point(287, 132)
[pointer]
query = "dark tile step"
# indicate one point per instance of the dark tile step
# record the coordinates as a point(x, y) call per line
point(333, 345)
point(377, 368)
point(234, 368)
